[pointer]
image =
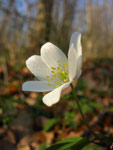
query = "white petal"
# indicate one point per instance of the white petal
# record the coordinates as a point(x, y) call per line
point(37, 86)
point(50, 54)
point(79, 68)
point(54, 96)
point(72, 62)
point(38, 67)
point(76, 41)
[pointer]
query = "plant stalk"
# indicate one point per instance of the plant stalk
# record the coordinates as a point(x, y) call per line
point(82, 115)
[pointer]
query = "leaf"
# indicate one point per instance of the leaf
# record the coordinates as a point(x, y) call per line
point(75, 143)
point(92, 147)
point(111, 109)
point(73, 124)
point(71, 140)
point(96, 105)
point(43, 146)
point(86, 108)
point(80, 144)
point(66, 146)
point(82, 84)
point(50, 123)
point(102, 137)
point(59, 144)
point(66, 97)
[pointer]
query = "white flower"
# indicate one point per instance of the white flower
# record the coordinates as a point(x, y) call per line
point(53, 69)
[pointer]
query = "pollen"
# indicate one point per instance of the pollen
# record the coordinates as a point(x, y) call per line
point(65, 80)
point(59, 74)
point(57, 68)
point(47, 78)
point(53, 68)
point(49, 83)
point(52, 71)
point(56, 86)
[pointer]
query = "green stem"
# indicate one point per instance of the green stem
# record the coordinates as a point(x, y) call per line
point(82, 115)
point(85, 121)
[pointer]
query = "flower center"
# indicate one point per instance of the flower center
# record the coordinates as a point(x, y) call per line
point(59, 74)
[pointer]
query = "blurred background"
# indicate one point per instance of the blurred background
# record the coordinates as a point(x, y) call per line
point(25, 25)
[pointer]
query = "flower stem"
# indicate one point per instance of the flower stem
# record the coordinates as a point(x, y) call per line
point(85, 121)
point(82, 115)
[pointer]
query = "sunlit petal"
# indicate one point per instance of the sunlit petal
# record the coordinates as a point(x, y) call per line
point(54, 96)
point(76, 41)
point(37, 86)
point(38, 67)
point(51, 55)
point(53, 69)
point(72, 62)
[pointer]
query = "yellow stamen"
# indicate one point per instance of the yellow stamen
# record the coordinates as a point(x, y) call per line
point(60, 73)
point(55, 82)
point(57, 68)
point(53, 68)
point(48, 79)
point(47, 76)
point(49, 83)
point(56, 86)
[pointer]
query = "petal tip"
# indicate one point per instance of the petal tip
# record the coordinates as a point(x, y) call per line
point(32, 58)
point(46, 102)
point(23, 87)
point(76, 35)
point(47, 44)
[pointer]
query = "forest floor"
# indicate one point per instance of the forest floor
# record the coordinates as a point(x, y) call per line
point(27, 124)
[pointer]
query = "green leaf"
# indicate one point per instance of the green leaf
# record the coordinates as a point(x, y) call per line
point(111, 109)
point(66, 97)
point(102, 137)
point(71, 140)
point(73, 124)
point(75, 143)
point(50, 124)
point(80, 144)
point(60, 144)
point(92, 147)
point(43, 146)
point(86, 108)
point(81, 84)
point(66, 146)
point(96, 105)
